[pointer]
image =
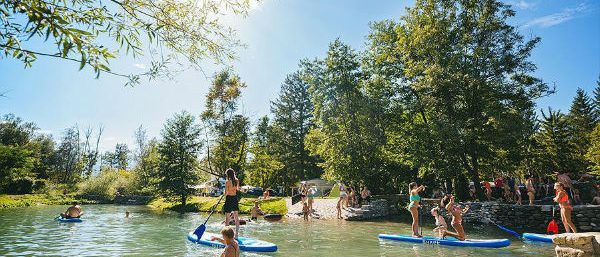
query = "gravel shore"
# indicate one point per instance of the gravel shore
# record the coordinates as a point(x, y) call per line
point(322, 209)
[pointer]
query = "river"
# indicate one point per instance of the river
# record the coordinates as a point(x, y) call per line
point(31, 231)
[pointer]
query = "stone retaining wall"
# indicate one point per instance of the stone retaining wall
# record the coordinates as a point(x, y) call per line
point(523, 218)
point(374, 209)
point(577, 245)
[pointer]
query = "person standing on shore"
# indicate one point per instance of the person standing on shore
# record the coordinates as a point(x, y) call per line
point(414, 205)
point(232, 185)
point(529, 185)
point(343, 198)
point(518, 194)
point(562, 198)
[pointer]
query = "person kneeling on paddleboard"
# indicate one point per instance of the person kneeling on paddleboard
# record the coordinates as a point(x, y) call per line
point(440, 222)
point(232, 249)
point(457, 214)
point(414, 206)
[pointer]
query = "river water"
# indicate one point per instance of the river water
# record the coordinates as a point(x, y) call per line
point(31, 231)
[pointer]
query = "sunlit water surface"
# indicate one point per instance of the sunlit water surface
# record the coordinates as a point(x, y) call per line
point(32, 231)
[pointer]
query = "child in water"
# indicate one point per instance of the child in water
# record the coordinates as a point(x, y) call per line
point(232, 249)
point(440, 222)
point(255, 211)
point(305, 211)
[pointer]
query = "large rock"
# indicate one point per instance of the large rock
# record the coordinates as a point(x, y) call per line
point(577, 244)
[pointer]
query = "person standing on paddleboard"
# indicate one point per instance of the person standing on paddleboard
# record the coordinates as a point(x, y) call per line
point(232, 185)
point(414, 205)
point(562, 198)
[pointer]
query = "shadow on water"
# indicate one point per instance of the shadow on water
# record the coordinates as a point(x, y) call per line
point(32, 231)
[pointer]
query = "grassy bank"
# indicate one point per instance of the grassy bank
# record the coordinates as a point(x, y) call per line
point(203, 204)
point(13, 201)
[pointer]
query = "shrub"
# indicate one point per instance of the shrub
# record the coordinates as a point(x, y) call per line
point(109, 183)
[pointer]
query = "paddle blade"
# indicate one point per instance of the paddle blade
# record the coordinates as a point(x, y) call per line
point(200, 231)
point(296, 199)
point(552, 228)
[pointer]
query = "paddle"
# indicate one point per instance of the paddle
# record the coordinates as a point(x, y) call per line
point(200, 229)
point(505, 229)
point(420, 228)
point(296, 199)
point(552, 226)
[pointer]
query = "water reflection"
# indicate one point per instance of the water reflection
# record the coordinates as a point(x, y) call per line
point(105, 232)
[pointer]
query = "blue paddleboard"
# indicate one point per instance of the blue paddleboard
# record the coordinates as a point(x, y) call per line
point(538, 237)
point(449, 241)
point(245, 243)
point(61, 219)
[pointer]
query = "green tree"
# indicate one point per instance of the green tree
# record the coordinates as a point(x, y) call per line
point(146, 159)
point(118, 159)
point(70, 166)
point(263, 167)
point(555, 147)
point(343, 135)
point(593, 154)
point(15, 131)
point(581, 124)
point(16, 166)
point(292, 112)
point(464, 75)
point(92, 33)
point(179, 149)
point(228, 131)
point(596, 101)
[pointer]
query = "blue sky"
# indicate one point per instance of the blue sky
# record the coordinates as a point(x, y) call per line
point(278, 33)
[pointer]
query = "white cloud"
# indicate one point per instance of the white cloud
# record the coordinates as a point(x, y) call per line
point(523, 5)
point(557, 18)
point(45, 131)
point(140, 65)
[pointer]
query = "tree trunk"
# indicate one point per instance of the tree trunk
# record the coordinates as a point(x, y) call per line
point(183, 202)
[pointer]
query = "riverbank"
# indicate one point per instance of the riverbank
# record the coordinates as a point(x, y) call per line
point(14, 201)
point(204, 204)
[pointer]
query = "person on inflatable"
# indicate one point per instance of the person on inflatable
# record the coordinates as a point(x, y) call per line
point(74, 211)
point(232, 248)
point(457, 214)
point(562, 198)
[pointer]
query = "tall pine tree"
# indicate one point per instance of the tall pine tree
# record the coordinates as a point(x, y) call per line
point(581, 123)
point(553, 140)
point(263, 166)
point(179, 149)
point(292, 112)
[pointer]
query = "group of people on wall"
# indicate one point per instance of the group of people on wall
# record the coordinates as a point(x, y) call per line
point(511, 190)
point(563, 197)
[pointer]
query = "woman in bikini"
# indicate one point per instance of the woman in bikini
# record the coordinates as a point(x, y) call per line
point(457, 214)
point(562, 198)
point(232, 185)
point(414, 206)
point(529, 185)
